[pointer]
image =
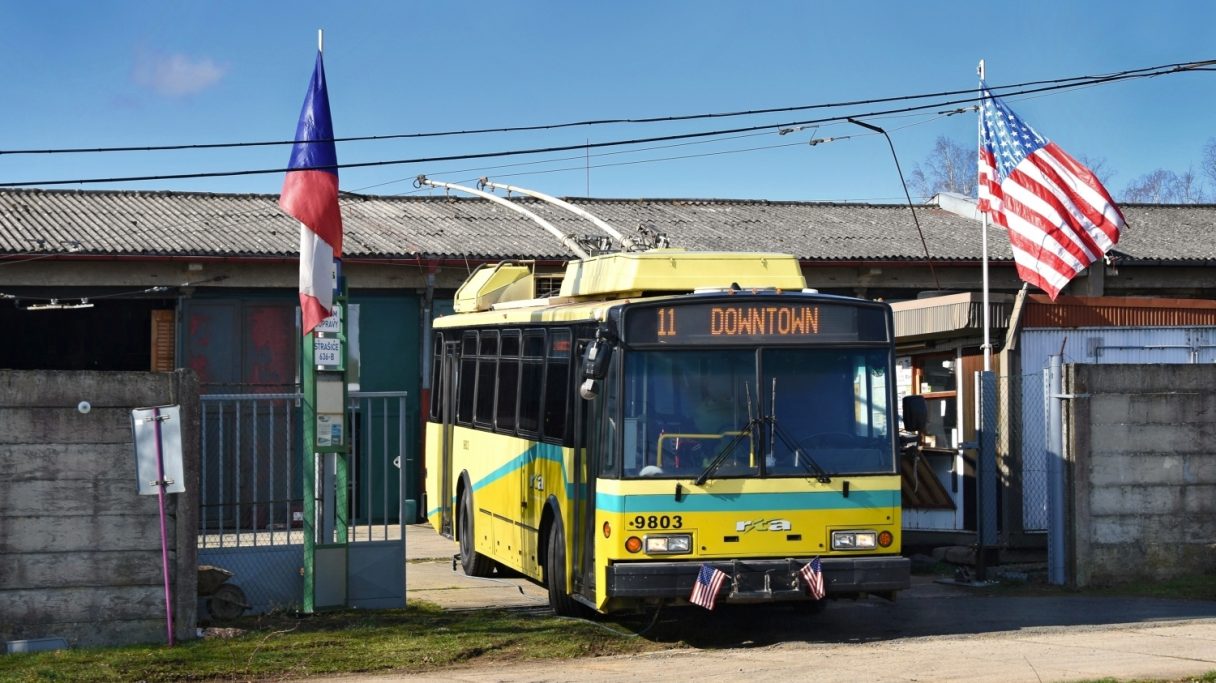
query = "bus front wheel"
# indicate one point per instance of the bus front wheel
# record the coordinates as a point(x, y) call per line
point(555, 573)
point(473, 562)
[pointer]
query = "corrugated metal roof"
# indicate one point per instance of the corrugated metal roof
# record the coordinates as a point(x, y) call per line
point(1109, 311)
point(1158, 232)
point(197, 224)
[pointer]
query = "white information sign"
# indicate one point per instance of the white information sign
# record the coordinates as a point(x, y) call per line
point(144, 423)
point(332, 324)
point(327, 352)
point(329, 430)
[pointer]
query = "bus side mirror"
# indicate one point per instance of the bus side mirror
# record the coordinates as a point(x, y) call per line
point(916, 413)
point(595, 367)
point(595, 359)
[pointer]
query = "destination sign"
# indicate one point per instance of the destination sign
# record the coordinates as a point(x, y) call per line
point(754, 322)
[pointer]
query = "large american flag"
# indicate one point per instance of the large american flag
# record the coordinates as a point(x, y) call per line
point(705, 590)
point(1058, 216)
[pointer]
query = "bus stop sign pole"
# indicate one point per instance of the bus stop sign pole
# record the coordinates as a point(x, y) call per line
point(158, 464)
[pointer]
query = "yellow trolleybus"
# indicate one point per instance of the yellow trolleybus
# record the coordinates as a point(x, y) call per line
point(666, 410)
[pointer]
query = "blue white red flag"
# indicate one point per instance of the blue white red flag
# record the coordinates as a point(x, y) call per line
point(812, 573)
point(310, 194)
point(705, 590)
point(1058, 216)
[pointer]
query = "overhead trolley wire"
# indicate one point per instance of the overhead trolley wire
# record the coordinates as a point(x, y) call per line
point(617, 121)
point(1057, 85)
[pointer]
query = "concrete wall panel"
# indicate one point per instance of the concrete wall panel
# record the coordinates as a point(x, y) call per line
point(64, 570)
point(75, 496)
point(1143, 471)
point(79, 548)
point(1147, 469)
point(30, 461)
point(78, 533)
point(1139, 435)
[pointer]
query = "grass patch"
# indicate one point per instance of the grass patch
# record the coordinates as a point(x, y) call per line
point(1199, 587)
point(1209, 677)
point(421, 637)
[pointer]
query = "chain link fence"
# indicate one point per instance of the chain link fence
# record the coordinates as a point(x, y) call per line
point(1022, 450)
point(251, 487)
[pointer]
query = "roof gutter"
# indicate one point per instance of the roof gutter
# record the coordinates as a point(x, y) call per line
point(370, 260)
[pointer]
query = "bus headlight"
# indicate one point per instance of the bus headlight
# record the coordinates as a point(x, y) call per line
point(669, 544)
point(854, 540)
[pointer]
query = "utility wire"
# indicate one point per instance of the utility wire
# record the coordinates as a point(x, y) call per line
point(1062, 82)
point(482, 169)
point(565, 148)
point(258, 214)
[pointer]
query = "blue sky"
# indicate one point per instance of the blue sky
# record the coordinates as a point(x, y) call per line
point(127, 73)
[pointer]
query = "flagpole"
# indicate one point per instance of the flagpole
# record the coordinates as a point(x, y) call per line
point(320, 40)
point(984, 232)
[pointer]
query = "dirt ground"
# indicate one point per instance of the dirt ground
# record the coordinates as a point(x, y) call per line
point(934, 632)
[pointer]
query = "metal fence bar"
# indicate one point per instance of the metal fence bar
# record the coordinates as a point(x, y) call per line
point(247, 452)
point(247, 476)
point(289, 414)
point(202, 472)
point(384, 464)
point(241, 467)
point(253, 508)
point(221, 465)
point(403, 467)
point(270, 483)
point(1055, 476)
point(236, 473)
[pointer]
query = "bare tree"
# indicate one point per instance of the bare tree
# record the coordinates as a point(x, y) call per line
point(1165, 187)
point(950, 167)
point(1208, 161)
point(1099, 167)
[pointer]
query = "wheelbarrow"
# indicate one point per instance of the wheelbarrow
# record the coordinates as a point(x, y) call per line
point(225, 601)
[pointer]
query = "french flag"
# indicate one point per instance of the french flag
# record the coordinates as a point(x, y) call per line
point(310, 195)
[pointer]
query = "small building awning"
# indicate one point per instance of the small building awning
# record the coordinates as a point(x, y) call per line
point(952, 315)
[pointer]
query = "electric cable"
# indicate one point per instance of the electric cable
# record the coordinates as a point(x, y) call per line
point(1199, 65)
point(586, 146)
point(968, 100)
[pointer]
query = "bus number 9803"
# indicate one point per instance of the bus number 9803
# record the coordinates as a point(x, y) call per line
point(657, 522)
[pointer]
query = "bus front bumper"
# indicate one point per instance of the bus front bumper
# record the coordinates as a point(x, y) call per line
point(761, 580)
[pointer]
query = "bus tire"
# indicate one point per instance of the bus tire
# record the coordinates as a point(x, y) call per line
point(555, 573)
point(473, 562)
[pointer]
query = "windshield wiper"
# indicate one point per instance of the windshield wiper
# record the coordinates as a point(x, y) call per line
point(801, 457)
point(811, 467)
point(720, 458)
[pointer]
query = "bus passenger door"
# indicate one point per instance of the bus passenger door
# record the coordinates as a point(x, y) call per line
point(594, 433)
point(447, 414)
point(582, 562)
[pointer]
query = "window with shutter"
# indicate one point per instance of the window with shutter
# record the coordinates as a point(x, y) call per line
point(163, 341)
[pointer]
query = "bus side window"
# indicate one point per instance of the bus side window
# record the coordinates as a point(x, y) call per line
point(508, 382)
point(436, 378)
point(611, 422)
point(557, 385)
point(467, 379)
point(487, 376)
point(531, 382)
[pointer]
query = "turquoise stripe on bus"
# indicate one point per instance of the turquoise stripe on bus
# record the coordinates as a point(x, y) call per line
point(709, 502)
point(537, 451)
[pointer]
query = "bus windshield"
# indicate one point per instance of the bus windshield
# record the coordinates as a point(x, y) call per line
point(768, 412)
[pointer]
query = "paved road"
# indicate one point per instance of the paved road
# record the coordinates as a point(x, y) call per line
point(934, 632)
